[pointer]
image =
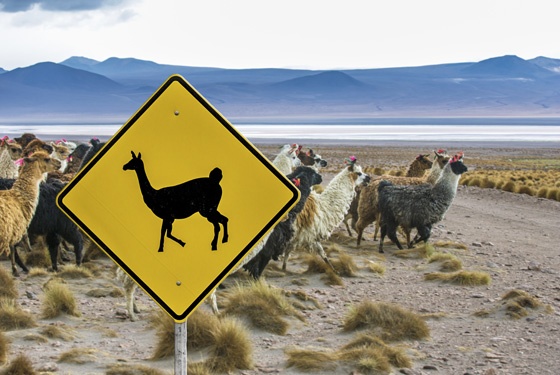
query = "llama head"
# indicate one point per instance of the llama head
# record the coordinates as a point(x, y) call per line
point(305, 176)
point(456, 164)
point(60, 152)
point(424, 161)
point(43, 161)
point(15, 151)
point(37, 145)
point(25, 139)
point(356, 173)
point(134, 163)
point(440, 152)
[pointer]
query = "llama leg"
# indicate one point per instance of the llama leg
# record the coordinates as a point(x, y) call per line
point(224, 221)
point(167, 227)
point(287, 252)
point(214, 303)
point(17, 260)
point(382, 237)
point(53, 242)
point(319, 249)
point(377, 220)
point(392, 234)
point(129, 288)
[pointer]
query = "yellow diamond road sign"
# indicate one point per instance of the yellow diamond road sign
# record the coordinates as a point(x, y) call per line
point(178, 197)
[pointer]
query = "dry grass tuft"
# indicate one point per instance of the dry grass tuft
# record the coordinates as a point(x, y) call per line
point(12, 317)
point(451, 244)
point(542, 192)
point(165, 327)
point(4, 348)
point(310, 360)
point(71, 271)
point(467, 278)
point(122, 369)
point(232, 348)
point(38, 258)
point(20, 366)
point(57, 300)
point(302, 296)
point(509, 186)
point(37, 272)
point(198, 368)
point(7, 285)
point(392, 355)
point(553, 193)
point(423, 251)
point(264, 306)
point(199, 329)
point(394, 322)
point(376, 268)
point(524, 189)
point(58, 331)
point(345, 265)
point(79, 356)
point(36, 338)
point(449, 262)
point(105, 292)
point(517, 302)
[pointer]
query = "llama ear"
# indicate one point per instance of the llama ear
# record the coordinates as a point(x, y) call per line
point(133, 156)
point(139, 155)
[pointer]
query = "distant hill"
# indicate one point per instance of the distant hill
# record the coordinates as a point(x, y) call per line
point(547, 63)
point(89, 90)
point(53, 76)
point(510, 66)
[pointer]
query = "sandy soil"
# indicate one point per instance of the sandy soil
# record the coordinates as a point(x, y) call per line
point(512, 237)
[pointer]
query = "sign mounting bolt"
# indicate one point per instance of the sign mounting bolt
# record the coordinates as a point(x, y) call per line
point(176, 113)
point(178, 283)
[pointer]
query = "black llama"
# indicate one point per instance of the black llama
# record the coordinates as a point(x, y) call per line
point(200, 195)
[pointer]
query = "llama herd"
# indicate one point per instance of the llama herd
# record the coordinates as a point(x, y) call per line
point(33, 172)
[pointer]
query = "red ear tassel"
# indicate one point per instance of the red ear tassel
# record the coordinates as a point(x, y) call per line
point(296, 182)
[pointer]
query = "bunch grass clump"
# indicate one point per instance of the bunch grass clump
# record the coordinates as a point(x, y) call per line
point(200, 326)
point(12, 317)
point(71, 271)
point(311, 360)
point(20, 366)
point(7, 285)
point(79, 356)
point(265, 307)
point(392, 322)
point(449, 262)
point(124, 369)
point(38, 258)
point(4, 348)
point(517, 302)
point(54, 331)
point(165, 332)
point(424, 251)
point(232, 347)
point(376, 268)
point(370, 343)
point(57, 300)
point(466, 278)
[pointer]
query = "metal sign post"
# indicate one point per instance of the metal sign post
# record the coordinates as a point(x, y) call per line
point(181, 348)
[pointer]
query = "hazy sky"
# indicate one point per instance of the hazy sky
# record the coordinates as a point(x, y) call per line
point(291, 33)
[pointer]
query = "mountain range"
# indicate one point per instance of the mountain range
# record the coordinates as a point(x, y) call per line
point(84, 90)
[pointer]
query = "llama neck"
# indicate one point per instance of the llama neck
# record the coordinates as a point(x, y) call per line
point(415, 170)
point(340, 191)
point(26, 187)
point(145, 186)
point(435, 173)
point(448, 182)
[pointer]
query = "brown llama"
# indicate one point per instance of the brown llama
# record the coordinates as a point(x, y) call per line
point(17, 205)
point(200, 195)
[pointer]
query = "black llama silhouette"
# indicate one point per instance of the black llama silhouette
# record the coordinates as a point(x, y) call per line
point(200, 195)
